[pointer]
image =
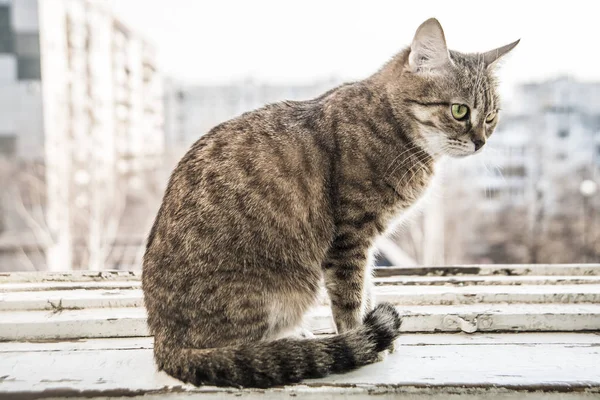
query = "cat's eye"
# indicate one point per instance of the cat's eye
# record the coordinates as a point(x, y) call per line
point(460, 111)
point(491, 117)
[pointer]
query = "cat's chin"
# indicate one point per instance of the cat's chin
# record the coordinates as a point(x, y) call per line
point(460, 155)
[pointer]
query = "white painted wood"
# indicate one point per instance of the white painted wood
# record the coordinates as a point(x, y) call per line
point(124, 322)
point(486, 299)
point(39, 286)
point(487, 318)
point(69, 276)
point(423, 365)
point(384, 281)
point(495, 269)
point(397, 294)
point(87, 323)
point(477, 294)
point(69, 299)
point(447, 270)
point(488, 280)
point(358, 392)
point(407, 339)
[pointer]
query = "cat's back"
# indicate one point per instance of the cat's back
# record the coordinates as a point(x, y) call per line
point(257, 181)
point(275, 151)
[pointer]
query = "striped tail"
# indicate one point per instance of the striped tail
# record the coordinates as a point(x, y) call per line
point(286, 361)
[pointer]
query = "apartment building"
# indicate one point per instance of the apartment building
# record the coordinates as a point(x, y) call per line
point(192, 110)
point(81, 95)
point(543, 148)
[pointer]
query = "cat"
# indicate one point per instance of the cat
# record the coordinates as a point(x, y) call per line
point(265, 206)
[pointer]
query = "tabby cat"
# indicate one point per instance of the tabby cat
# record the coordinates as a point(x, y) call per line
point(267, 205)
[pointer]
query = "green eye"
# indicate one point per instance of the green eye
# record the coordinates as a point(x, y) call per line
point(491, 117)
point(459, 111)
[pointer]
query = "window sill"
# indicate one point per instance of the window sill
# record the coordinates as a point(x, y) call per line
point(511, 366)
point(83, 335)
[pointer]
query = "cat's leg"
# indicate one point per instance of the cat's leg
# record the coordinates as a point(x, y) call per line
point(347, 277)
point(287, 312)
point(369, 301)
point(299, 333)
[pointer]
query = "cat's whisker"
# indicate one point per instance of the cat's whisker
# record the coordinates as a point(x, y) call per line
point(418, 155)
point(396, 158)
point(423, 154)
point(419, 151)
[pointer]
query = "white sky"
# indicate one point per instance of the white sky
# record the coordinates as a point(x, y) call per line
point(210, 41)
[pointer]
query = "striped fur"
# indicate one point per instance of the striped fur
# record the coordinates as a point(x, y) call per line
point(285, 361)
point(266, 205)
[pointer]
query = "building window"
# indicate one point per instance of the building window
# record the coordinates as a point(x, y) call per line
point(492, 193)
point(517, 192)
point(517, 171)
point(6, 36)
point(8, 145)
point(563, 133)
point(28, 68)
point(27, 49)
point(27, 44)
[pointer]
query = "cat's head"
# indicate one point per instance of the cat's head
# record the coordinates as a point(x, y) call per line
point(450, 98)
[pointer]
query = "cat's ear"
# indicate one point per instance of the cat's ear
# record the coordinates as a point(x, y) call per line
point(490, 57)
point(428, 50)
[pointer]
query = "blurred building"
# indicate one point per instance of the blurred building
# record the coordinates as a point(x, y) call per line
point(563, 122)
point(192, 110)
point(501, 174)
point(81, 96)
point(21, 131)
point(548, 142)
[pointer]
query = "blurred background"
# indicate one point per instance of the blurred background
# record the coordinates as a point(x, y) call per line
point(99, 99)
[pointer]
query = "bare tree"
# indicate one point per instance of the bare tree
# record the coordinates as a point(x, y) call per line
point(95, 218)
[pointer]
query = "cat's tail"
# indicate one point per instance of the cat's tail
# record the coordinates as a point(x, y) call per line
point(286, 361)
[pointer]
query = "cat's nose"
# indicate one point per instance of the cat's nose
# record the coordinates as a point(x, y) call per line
point(478, 143)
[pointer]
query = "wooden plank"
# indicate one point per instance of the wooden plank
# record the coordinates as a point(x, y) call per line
point(446, 364)
point(445, 270)
point(478, 294)
point(401, 295)
point(70, 276)
point(39, 286)
point(406, 339)
point(126, 322)
point(488, 280)
point(396, 280)
point(71, 299)
point(46, 325)
point(493, 269)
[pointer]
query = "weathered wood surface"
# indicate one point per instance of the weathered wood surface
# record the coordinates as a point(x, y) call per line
point(401, 295)
point(506, 366)
point(446, 270)
point(131, 321)
point(116, 360)
point(493, 299)
point(458, 280)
